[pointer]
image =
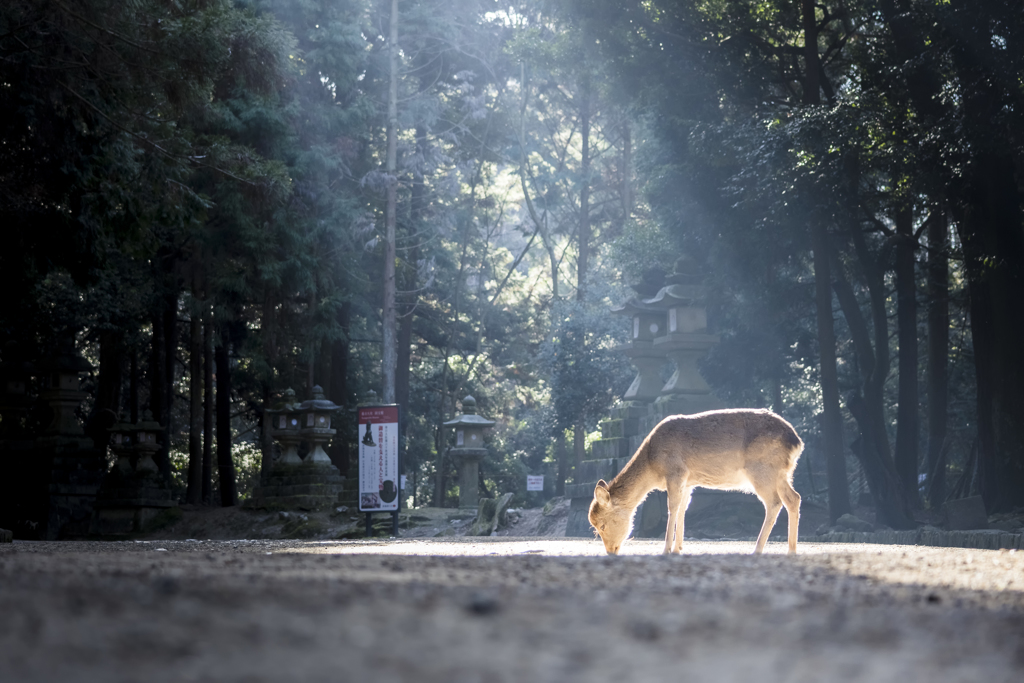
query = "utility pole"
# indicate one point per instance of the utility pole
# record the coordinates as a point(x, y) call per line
point(390, 354)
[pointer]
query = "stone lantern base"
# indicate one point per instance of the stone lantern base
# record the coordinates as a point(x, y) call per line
point(304, 486)
point(128, 502)
point(467, 461)
point(628, 425)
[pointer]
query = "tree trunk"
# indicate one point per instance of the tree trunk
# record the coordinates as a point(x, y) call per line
point(390, 351)
point(170, 356)
point(225, 464)
point(584, 226)
point(938, 356)
point(561, 460)
point(403, 372)
point(993, 243)
point(133, 385)
point(878, 465)
point(812, 60)
point(906, 324)
point(194, 490)
point(831, 419)
point(338, 450)
point(627, 176)
point(269, 331)
point(109, 388)
point(156, 382)
point(579, 444)
point(208, 401)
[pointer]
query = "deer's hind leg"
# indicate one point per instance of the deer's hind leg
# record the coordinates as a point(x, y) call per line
point(767, 489)
point(791, 499)
point(678, 501)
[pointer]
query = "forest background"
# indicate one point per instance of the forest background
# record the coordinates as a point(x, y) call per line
point(199, 195)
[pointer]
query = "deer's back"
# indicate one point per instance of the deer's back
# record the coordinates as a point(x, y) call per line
point(719, 449)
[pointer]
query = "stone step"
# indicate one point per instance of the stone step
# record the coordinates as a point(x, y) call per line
point(603, 449)
point(297, 480)
point(301, 490)
point(602, 468)
point(296, 502)
point(615, 428)
point(628, 410)
point(141, 493)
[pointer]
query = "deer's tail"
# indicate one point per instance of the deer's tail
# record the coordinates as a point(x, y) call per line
point(791, 440)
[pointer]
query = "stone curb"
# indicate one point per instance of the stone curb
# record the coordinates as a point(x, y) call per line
point(991, 539)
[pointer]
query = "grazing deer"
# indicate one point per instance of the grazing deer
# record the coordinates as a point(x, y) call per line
point(746, 450)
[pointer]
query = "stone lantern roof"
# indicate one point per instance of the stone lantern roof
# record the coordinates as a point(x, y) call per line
point(318, 402)
point(469, 416)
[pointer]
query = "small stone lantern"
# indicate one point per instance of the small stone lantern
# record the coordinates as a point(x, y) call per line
point(147, 442)
point(128, 501)
point(315, 425)
point(286, 429)
point(122, 444)
point(62, 392)
point(469, 451)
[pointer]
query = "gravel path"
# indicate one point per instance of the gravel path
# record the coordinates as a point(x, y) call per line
point(494, 610)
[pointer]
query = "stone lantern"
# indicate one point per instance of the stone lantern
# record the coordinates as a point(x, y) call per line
point(131, 497)
point(293, 483)
point(469, 451)
point(648, 323)
point(147, 442)
point(686, 341)
point(286, 429)
point(62, 392)
point(122, 445)
point(315, 420)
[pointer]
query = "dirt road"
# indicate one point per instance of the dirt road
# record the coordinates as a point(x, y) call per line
point(494, 610)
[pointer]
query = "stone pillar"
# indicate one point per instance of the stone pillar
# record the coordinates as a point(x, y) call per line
point(75, 465)
point(467, 462)
point(468, 451)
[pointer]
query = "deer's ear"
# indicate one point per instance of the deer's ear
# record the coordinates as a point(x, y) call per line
point(601, 494)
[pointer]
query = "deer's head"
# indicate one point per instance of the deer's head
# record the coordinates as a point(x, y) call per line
point(610, 521)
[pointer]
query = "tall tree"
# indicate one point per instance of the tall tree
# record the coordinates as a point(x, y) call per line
point(938, 355)
point(390, 324)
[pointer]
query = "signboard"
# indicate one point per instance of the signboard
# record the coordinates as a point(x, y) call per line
point(535, 482)
point(378, 459)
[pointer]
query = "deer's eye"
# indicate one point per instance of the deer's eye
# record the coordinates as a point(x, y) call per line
point(602, 527)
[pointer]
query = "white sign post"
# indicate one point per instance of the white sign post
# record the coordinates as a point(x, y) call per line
point(379, 476)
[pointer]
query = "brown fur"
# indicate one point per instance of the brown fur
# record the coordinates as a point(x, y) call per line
point(745, 450)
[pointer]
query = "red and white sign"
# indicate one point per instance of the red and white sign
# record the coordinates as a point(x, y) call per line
point(535, 482)
point(378, 459)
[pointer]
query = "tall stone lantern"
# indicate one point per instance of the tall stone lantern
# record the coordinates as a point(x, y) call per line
point(62, 392)
point(686, 340)
point(286, 429)
point(131, 497)
point(469, 451)
point(315, 417)
point(147, 443)
point(647, 323)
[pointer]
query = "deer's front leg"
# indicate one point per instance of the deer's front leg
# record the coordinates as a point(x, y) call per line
point(678, 500)
point(681, 521)
point(673, 513)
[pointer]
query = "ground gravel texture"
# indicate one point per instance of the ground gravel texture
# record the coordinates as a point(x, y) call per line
point(500, 609)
